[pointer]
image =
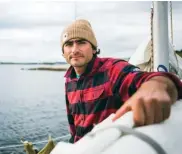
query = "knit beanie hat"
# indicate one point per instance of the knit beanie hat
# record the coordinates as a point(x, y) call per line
point(79, 29)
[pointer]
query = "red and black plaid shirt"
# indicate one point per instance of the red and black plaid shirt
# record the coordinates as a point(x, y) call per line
point(106, 84)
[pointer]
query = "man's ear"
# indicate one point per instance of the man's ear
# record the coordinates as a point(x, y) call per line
point(94, 51)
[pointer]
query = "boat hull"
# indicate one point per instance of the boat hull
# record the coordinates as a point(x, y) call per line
point(106, 138)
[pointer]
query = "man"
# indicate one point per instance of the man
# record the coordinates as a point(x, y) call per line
point(96, 87)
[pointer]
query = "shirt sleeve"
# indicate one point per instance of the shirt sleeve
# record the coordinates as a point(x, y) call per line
point(70, 122)
point(128, 78)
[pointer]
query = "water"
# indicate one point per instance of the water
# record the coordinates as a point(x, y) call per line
point(32, 106)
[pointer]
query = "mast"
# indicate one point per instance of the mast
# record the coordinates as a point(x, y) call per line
point(161, 36)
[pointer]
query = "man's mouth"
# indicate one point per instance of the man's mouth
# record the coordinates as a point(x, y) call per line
point(76, 57)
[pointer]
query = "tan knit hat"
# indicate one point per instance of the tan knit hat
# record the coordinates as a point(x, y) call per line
point(79, 29)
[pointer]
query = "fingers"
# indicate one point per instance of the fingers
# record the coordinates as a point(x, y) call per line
point(120, 112)
point(166, 109)
point(138, 113)
point(158, 117)
point(145, 112)
point(162, 111)
point(165, 106)
point(149, 109)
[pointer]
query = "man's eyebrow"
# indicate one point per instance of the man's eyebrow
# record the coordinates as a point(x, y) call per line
point(69, 41)
point(78, 40)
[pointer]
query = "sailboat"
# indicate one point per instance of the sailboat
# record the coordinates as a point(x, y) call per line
point(155, 54)
point(158, 49)
point(121, 136)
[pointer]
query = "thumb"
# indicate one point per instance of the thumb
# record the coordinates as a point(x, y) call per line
point(122, 110)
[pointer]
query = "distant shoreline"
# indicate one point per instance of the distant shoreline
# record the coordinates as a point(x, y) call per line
point(45, 69)
point(179, 53)
point(46, 66)
point(33, 63)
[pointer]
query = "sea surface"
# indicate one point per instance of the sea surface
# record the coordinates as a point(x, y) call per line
point(32, 106)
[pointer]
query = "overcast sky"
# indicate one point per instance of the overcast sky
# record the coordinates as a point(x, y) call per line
point(30, 30)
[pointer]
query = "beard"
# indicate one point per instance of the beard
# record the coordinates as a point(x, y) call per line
point(78, 62)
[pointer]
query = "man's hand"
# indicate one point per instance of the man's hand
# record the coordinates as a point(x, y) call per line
point(151, 103)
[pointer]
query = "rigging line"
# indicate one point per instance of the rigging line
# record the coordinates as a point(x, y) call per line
point(55, 139)
point(151, 33)
point(171, 18)
point(36, 143)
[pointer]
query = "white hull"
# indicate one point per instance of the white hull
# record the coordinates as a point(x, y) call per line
point(105, 138)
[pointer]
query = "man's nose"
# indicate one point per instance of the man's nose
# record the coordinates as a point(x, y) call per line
point(75, 47)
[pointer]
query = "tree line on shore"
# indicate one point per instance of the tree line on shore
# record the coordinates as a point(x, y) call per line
point(179, 52)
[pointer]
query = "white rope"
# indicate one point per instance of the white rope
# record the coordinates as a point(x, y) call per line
point(11, 146)
point(171, 18)
point(35, 143)
point(124, 130)
point(151, 33)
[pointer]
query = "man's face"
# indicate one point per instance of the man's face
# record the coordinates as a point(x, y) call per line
point(78, 52)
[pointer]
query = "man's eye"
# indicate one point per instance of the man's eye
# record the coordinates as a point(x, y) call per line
point(68, 44)
point(81, 42)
